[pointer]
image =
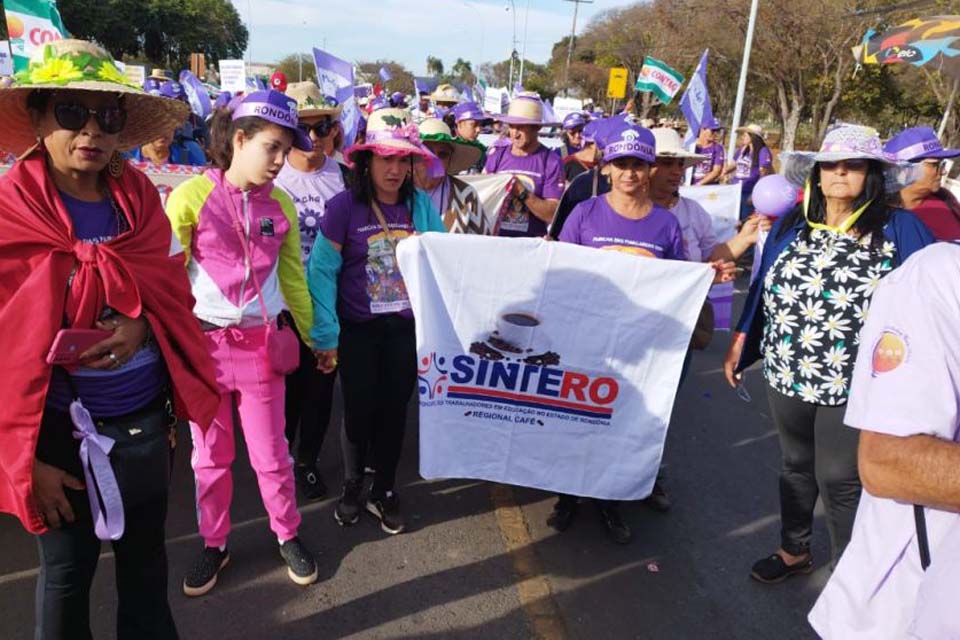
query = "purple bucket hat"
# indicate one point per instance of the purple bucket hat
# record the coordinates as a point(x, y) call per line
point(525, 109)
point(627, 140)
point(276, 108)
point(469, 111)
point(918, 143)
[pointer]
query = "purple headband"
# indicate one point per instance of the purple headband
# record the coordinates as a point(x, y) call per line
point(274, 107)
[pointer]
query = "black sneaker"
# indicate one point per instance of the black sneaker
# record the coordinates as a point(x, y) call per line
point(301, 566)
point(348, 507)
point(618, 529)
point(203, 576)
point(387, 510)
point(658, 500)
point(564, 513)
point(309, 481)
point(773, 569)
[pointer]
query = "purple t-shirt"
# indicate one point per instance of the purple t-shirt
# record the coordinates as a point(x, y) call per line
point(594, 223)
point(545, 168)
point(370, 283)
point(746, 174)
point(106, 392)
point(717, 156)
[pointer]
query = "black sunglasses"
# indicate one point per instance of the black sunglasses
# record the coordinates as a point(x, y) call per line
point(321, 128)
point(854, 164)
point(73, 116)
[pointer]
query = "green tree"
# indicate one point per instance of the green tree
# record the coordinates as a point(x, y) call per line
point(434, 66)
point(400, 77)
point(462, 71)
point(292, 65)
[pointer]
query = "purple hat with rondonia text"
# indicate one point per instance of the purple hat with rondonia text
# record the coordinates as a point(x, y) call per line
point(275, 107)
point(469, 111)
point(918, 143)
point(627, 140)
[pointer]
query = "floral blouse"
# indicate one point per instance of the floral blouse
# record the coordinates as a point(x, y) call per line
point(815, 301)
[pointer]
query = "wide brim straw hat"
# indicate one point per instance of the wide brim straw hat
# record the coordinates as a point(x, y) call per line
point(669, 145)
point(848, 142)
point(525, 109)
point(78, 65)
point(310, 101)
point(755, 129)
point(390, 132)
point(446, 93)
point(465, 154)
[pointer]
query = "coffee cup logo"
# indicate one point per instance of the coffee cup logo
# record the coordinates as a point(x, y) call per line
point(518, 337)
point(518, 329)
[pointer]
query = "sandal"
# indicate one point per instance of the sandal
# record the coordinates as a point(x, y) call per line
point(773, 569)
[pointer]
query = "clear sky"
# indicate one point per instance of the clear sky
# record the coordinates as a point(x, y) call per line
point(409, 30)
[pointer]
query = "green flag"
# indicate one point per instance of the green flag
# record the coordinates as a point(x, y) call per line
point(659, 79)
point(31, 24)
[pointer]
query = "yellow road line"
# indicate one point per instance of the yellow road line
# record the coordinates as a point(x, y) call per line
point(533, 589)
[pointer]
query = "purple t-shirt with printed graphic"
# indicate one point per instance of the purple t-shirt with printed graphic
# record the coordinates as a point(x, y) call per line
point(594, 223)
point(717, 156)
point(545, 168)
point(746, 174)
point(370, 283)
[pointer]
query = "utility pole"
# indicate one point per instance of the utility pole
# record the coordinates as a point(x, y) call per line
point(573, 35)
point(523, 52)
point(742, 85)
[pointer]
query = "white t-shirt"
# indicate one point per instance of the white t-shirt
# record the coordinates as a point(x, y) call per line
point(906, 382)
point(310, 191)
point(696, 227)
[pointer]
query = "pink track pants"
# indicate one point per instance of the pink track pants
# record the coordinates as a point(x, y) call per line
point(247, 380)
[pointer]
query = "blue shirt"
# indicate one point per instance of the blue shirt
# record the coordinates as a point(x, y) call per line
point(134, 384)
point(185, 152)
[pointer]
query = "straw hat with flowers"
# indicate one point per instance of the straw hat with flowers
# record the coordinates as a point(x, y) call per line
point(78, 65)
point(310, 102)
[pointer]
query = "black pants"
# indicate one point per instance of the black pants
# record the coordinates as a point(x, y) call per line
point(309, 402)
point(378, 371)
point(819, 459)
point(68, 558)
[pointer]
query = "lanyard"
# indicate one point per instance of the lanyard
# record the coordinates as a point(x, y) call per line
point(844, 227)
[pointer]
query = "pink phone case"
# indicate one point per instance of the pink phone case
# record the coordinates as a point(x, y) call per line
point(70, 343)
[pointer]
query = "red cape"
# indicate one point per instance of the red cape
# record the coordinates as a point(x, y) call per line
point(132, 273)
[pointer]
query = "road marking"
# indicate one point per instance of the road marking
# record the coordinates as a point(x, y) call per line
point(533, 589)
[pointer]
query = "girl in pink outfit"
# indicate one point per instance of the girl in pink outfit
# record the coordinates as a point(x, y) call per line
point(242, 245)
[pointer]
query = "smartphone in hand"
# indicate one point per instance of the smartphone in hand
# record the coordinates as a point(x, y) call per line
point(70, 343)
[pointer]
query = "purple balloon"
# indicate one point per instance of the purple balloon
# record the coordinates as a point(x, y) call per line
point(774, 196)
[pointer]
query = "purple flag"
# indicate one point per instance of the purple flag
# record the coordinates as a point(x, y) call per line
point(197, 94)
point(428, 85)
point(261, 85)
point(385, 74)
point(335, 77)
point(695, 103)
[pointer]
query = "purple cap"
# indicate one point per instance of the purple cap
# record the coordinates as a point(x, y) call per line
point(398, 100)
point(591, 130)
point(711, 124)
point(627, 140)
point(274, 107)
point(574, 120)
point(165, 88)
point(917, 143)
point(469, 111)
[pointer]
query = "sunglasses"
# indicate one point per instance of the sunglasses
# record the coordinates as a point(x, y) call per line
point(73, 116)
point(938, 165)
point(856, 164)
point(321, 128)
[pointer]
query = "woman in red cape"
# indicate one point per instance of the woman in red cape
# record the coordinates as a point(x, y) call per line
point(85, 244)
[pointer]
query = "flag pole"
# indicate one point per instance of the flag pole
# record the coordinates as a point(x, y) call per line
point(742, 85)
point(946, 112)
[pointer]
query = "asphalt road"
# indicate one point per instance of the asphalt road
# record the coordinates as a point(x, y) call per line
point(479, 560)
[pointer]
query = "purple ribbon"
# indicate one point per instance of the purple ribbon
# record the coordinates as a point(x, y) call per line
point(106, 504)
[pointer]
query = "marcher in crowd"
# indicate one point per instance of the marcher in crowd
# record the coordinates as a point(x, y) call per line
point(356, 283)
point(820, 267)
point(751, 161)
point(530, 210)
point(470, 120)
point(84, 244)
point(173, 147)
point(572, 135)
point(585, 159)
point(311, 178)
point(243, 257)
point(423, 110)
point(710, 169)
point(926, 197)
point(903, 400)
point(455, 154)
point(627, 220)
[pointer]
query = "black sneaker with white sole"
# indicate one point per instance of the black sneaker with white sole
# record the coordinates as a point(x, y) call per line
point(347, 511)
point(203, 576)
point(617, 528)
point(309, 481)
point(386, 509)
point(301, 565)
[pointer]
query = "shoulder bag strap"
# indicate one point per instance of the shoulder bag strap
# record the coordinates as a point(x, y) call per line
point(922, 542)
point(596, 180)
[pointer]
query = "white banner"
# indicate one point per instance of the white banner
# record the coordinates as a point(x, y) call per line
point(555, 368)
point(562, 107)
point(233, 76)
point(493, 100)
point(476, 202)
point(135, 73)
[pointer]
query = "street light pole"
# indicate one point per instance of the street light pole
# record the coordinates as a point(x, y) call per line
point(573, 35)
point(513, 43)
point(523, 54)
point(742, 85)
